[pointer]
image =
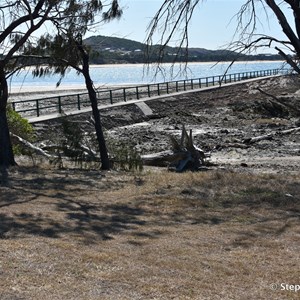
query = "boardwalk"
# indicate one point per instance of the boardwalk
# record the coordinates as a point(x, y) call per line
point(37, 110)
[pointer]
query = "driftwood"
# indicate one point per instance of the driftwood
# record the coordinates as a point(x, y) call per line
point(44, 149)
point(184, 155)
point(89, 153)
point(269, 136)
point(162, 159)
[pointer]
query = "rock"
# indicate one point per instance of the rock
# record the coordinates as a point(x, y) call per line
point(226, 131)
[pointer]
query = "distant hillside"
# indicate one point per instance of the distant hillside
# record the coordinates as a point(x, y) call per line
point(109, 50)
point(104, 43)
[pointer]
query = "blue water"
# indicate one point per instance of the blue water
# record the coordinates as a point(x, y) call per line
point(137, 74)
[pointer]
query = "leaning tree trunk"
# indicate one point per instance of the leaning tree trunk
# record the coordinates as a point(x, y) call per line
point(105, 164)
point(6, 151)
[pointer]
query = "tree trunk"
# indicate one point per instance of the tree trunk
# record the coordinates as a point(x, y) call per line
point(105, 163)
point(6, 151)
point(284, 23)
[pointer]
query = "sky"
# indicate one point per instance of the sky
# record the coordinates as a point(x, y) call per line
point(212, 26)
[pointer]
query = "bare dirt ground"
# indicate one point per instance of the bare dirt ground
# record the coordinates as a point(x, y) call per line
point(221, 120)
point(229, 233)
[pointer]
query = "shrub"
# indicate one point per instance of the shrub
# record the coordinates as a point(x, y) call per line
point(22, 128)
point(81, 147)
point(124, 156)
point(76, 144)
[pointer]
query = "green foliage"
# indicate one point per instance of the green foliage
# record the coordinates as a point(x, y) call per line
point(100, 42)
point(18, 125)
point(55, 53)
point(80, 146)
point(77, 145)
point(22, 128)
point(124, 156)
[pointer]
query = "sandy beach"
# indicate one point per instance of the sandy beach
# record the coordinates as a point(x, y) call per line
point(36, 92)
point(46, 91)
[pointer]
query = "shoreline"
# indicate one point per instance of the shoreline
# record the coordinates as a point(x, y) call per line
point(36, 92)
point(68, 89)
point(44, 88)
point(63, 88)
point(19, 89)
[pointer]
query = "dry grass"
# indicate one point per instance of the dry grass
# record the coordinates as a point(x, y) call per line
point(86, 235)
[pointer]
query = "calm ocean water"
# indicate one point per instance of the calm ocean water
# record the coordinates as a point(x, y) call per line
point(136, 74)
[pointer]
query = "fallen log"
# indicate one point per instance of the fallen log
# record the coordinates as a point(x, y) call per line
point(269, 136)
point(89, 153)
point(163, 158)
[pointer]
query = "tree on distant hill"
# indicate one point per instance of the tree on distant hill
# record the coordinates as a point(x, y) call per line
point(174, 16)
point(19, 21)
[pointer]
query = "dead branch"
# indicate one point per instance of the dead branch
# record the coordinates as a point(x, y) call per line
point(278, 100)
point(267, 94)
point(269, 136)
point(33, 147)
point(288, 60)
point(86, 151)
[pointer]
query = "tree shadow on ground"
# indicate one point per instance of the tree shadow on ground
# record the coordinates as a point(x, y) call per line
point(30, 209)
point(247, 214)
point(88, 222)
point(255, 214)
point(4, 178)
point(62, 212)
point(85, 223)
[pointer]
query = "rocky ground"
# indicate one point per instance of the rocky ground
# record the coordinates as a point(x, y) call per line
point(222, 119)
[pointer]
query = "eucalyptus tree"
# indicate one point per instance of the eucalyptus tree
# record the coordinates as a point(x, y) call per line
point(20, 23)
point(173, 18)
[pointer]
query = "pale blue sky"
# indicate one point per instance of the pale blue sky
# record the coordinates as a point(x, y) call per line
point(212, 26)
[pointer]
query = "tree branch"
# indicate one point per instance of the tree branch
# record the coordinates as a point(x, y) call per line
point(32, 147)
point(288, 60)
